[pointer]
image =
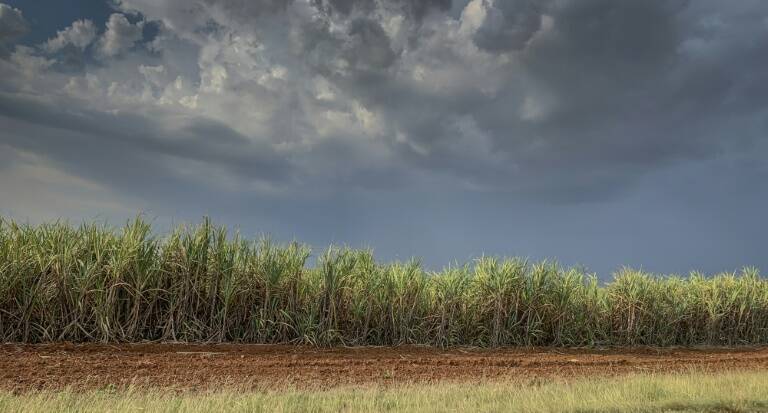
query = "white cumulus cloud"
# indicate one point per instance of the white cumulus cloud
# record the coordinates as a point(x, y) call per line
point(120, 36)
point(80, 34)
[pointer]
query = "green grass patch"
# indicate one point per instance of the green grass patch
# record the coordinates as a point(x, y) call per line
point(728, 392)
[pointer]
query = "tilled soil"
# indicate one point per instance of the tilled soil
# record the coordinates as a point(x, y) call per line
point(204, 367)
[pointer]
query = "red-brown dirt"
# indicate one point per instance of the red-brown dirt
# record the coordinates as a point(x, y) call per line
point(190, 367)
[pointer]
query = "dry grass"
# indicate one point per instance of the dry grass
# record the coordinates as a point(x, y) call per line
point(730, 392)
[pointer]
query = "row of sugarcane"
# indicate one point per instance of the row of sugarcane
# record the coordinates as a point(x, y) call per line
point(94, 283)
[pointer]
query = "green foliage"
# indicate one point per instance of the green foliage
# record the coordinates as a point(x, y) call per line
point(95, 283)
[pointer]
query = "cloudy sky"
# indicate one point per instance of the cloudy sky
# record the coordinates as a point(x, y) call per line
point(597, 132)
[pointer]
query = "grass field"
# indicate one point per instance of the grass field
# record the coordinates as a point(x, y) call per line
point(727, 392)
point(200, 284)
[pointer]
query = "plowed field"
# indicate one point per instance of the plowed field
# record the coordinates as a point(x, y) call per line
point(199, 367)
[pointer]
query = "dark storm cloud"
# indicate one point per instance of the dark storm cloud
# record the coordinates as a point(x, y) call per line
point(603, 90)
point(510, 24)
point(620, 73)
point(473, 118)
point(251, 7)
point(343, 7)
point(118, 146)
point(616, 92)
point(244, 11)
point(370, 48)
point(415, 9)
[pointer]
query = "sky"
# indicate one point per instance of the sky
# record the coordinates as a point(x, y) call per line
point(598, 133)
